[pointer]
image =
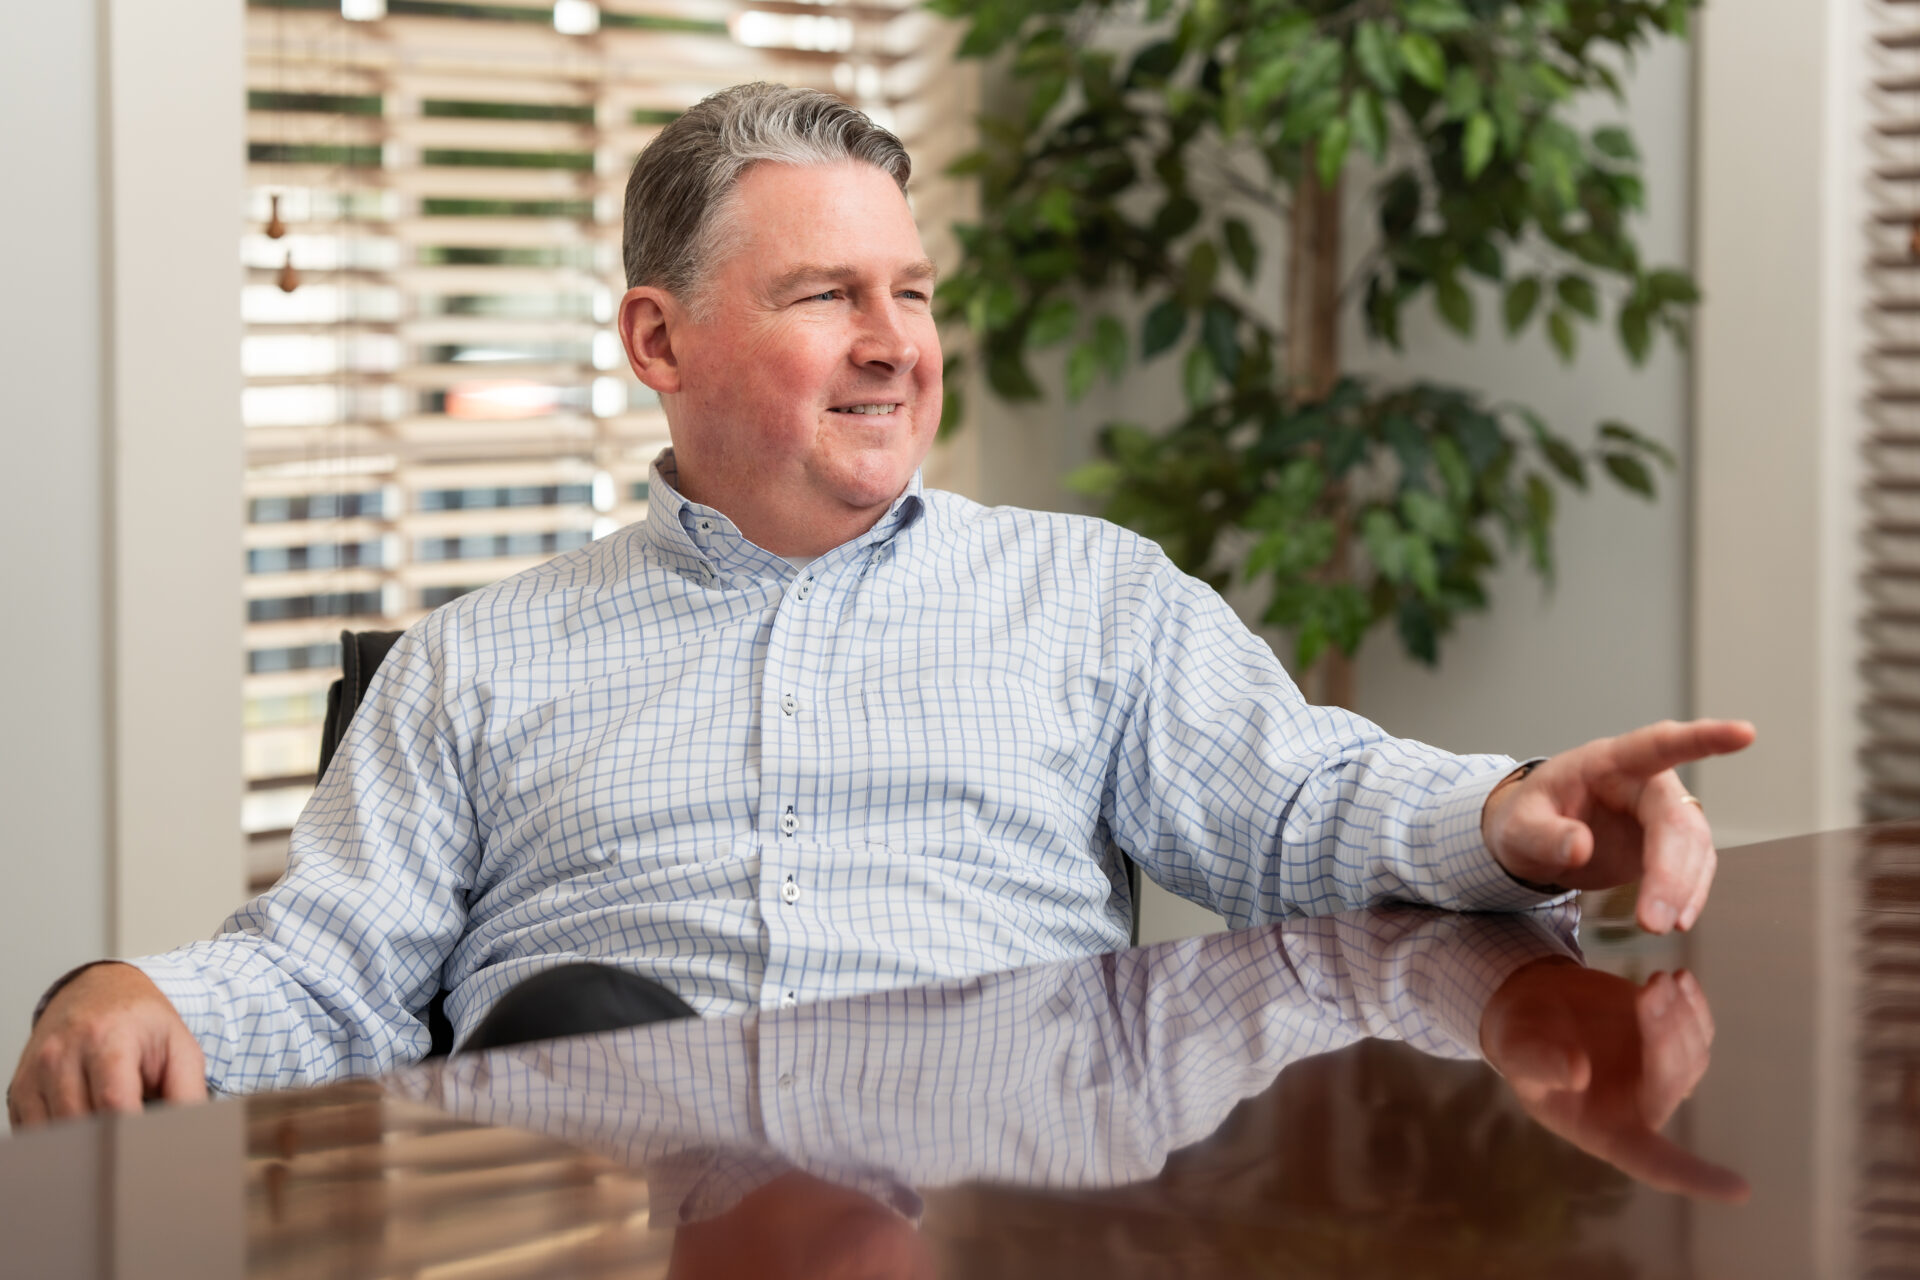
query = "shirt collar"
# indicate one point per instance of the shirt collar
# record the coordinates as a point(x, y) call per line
point(697, 536)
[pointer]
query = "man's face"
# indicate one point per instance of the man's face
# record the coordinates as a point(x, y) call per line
point(810, 389)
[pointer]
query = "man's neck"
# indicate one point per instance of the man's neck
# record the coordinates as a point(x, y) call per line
point(791, 533)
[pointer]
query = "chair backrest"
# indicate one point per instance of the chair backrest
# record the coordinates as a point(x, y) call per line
point(360, 655)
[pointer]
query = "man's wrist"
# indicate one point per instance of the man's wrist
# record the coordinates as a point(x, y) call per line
point(61, 983)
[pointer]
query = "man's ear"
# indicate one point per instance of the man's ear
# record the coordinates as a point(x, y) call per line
point(650, 322)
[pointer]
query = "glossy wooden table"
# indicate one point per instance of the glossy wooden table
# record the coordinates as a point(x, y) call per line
point(1303, 1100)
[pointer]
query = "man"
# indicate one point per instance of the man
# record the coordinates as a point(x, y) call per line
point(808, 729)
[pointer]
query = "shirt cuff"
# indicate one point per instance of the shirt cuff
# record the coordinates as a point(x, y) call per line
point(197, 1002)
point(1474, 880)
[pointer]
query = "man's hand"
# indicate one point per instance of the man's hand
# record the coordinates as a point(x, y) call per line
point(1604, 1064)
point(107, 1042)
point(1613, 811)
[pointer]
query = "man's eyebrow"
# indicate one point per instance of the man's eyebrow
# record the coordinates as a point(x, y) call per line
point(793, 278)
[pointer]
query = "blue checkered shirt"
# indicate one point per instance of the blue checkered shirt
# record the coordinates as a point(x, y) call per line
point(921, 756)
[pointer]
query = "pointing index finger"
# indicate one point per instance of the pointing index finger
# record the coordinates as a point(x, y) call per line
point(1657, 747)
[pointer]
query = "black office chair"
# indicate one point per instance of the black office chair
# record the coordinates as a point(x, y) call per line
point(361, 653)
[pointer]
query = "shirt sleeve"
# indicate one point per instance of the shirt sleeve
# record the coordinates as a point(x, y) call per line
point(329, 972)
point(1231, 790)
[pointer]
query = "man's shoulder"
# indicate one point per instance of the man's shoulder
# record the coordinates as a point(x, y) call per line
point(549, 590)
point(1031, 533)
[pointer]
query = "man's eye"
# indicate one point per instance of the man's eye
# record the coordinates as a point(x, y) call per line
point(829, 295)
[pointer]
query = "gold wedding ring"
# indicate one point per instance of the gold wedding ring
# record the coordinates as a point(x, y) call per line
point(1694, 801)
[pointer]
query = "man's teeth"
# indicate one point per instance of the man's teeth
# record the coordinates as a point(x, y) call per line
point(868, 408)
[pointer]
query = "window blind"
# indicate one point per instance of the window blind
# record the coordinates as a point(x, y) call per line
point(440, 400)
point(1891, 670)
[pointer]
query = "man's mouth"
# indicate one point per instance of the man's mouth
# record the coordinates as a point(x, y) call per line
point(884, 408)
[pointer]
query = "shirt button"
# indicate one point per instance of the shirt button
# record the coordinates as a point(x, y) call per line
point(789, 703)
point(805, 589)
point(788, 823)
point(789, 892)
point(787, 1001)
point(706, 526)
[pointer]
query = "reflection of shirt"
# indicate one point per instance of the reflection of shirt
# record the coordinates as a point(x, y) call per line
point(1070, 1075)
point(913, 760)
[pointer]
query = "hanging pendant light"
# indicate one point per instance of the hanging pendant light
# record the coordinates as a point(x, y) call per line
point(288, 279)
point(275, 227)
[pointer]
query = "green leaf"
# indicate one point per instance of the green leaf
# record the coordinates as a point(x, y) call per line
point(1626, 435)
point(1157, 61)
point(1421, 55)
point(1368, 121)
point(1203, 265)
point(1380, 534)
point(1562, 458)
point(1463, 94)
point(1056, 210)
point(1630, 472)
point(1423, 567)
point(1219, 331)
point(1331, 151)
point(999, 305)
point(1094, 479)
point(1409, 442)
point(1523, 295)
point(1083, 362)
point(1438, 15)
point(1429, 516)
point(1110, 346)
point(1560, 332)
point(1052, 323)
point(1373, 50)
point(1009, 377)
point(1162, 327)
point(1176, 217)
point(1451, 462)
point(1672, 286)
point(1197, 379)
point(1241, 248)
point(1636, 332)
point(1477, 147)
point(1577, 294)
point(1615, 143)
point(1455, 304)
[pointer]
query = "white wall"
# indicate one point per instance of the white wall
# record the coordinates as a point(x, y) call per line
point(119, 346)
point(1778, 408)
point(53, 733)
point(1608, 648)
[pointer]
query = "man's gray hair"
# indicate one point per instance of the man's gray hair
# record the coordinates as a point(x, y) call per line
point(681, 193)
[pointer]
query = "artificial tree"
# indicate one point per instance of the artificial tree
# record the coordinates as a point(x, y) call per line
point(1150, 142)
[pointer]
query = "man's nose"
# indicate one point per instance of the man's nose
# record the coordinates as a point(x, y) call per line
point(886, 343)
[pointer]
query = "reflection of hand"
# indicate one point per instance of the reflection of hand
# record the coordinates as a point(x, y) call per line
point(1604, 1064)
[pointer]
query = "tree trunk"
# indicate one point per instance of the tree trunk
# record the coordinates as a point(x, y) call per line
point(1313, 365)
